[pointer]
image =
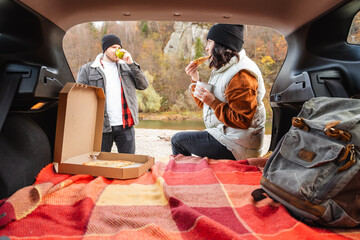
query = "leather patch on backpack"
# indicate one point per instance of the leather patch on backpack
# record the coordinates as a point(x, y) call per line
point(306, 155)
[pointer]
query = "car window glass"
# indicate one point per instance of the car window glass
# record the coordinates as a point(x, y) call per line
point(354, 33)
point(164, 49)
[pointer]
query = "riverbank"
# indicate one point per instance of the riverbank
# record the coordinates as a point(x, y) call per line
point(185, 115)
point(156, 143)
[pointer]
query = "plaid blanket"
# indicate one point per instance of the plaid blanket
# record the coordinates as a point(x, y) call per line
point(189, 198)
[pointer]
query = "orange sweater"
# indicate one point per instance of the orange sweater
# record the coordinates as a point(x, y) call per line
point(241, 94)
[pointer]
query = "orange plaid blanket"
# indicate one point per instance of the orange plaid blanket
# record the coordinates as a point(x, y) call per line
point(189, 198)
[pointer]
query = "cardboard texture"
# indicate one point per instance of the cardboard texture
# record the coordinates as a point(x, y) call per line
point(79, 133)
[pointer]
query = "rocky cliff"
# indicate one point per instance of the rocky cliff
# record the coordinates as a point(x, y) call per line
point(183, 39)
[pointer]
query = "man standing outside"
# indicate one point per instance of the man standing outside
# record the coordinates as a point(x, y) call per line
point(119, 79)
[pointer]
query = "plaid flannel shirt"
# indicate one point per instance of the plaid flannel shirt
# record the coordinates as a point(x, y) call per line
point(128, 120)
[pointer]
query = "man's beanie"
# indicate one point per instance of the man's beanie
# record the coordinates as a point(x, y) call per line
point(109, 40)
point(227, 35)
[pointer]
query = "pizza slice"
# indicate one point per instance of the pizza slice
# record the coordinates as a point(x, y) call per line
point(201, 60)
point(109, 163)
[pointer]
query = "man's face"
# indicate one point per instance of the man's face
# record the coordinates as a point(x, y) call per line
point(110, 53)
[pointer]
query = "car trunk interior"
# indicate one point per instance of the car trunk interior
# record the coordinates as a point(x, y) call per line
point(33, 68)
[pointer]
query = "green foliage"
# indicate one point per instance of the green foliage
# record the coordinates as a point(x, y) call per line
point(149, 100)
point(144, 28)
point(199, 48)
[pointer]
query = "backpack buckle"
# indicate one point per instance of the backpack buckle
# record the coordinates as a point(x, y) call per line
point(350, 148)
point(335, 133)
point(299, 123)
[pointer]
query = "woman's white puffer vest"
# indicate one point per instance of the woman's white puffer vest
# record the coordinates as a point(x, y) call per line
point(243, 143)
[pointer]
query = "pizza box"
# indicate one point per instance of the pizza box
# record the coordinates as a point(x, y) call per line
point(79, 133)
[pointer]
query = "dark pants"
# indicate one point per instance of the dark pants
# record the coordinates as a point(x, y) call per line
point(201, 144)
point(123, 138)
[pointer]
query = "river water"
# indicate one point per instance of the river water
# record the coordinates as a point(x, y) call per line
point(172, 124)
point(182, 125)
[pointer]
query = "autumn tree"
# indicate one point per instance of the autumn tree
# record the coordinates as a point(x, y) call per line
point(146, 40)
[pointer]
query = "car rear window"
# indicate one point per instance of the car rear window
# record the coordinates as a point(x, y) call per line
point(164, 49)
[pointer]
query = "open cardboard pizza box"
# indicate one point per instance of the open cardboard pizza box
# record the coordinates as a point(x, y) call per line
point(79, 133)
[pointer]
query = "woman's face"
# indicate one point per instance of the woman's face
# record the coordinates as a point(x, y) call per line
point(209, 46)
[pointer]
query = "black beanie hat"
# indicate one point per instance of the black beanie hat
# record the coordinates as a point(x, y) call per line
point(227, 35)
point(109, 40)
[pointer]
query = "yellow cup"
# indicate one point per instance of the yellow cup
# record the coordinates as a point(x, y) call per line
point(119, 53)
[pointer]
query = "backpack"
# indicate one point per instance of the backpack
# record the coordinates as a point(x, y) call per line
point(314, 169)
